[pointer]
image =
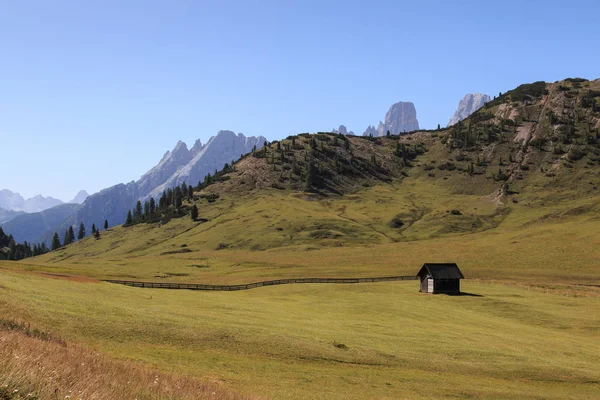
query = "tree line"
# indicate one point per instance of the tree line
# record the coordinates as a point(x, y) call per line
point(13, 251)
point(70, 238)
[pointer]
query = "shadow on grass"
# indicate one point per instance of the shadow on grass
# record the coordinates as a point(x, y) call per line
point(463, 294)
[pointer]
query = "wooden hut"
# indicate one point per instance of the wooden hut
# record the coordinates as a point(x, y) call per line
point(440, 278)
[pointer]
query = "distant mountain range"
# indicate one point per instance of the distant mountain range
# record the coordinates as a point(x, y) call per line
point(11, 201)
point(176, 166)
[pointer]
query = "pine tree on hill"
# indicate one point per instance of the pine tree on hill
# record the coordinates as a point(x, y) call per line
point(129, 219)
point(81, 233)
point(153, 206)
point(137, 213)
point(190, 194)
point(66, 239)
point(105, 224)
point(71, 234)
point(55, 242)
point(93, 229)
point(194, 213)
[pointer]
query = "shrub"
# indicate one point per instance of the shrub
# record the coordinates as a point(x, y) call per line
point(455, 212)
point(397, 222)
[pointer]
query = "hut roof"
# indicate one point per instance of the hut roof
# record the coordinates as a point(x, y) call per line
point(441, 271)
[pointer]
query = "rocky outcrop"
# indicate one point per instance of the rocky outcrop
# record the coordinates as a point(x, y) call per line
point(79, 197)
point(468, 105)
point(400, 118)
point(223, 148)
point(173, 160)
point(371, 131)
point(343, 130)
point(15, 202)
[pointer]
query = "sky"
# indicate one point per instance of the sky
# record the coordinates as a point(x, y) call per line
point(94, 93)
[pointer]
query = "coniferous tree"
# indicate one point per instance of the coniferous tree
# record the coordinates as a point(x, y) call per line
point(146, 209)
point(105, 224)
point(178, 201)
point(55, 242)
point(439, 127)
point(310, 177)
point(97, 234)
point(93, 229)
point(81, 233)
point(137, 213)
point(152, 206)
point(190, 193)
point(194, 212)
point(71, 234)
point(184, 189)
point(67, 238)
point(129, 219)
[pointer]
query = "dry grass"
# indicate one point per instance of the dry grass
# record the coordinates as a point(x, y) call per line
point(38, 366)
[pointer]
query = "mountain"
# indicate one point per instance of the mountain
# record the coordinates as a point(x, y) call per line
point(400, 118)
point(525, 166)
point(7, 215)
point(36, 227)
point(176, 166)
point(343, 130)
point(223, 148)
point(79, 197)
point(172, 161)
point(468, 105)
point(15, 202)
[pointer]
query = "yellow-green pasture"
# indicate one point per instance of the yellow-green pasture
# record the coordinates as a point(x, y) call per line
point(362, 341)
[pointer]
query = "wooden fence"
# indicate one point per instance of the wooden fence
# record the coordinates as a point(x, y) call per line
point(197, 286)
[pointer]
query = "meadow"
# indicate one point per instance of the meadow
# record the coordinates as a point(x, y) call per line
point(381, 340)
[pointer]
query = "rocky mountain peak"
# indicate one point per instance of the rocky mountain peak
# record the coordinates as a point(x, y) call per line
point(80, 197)
point(196, 147)
point(468, 105)
point(401, 117)
point(343, 130)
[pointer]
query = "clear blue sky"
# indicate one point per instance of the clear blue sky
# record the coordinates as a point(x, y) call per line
point(92, 93)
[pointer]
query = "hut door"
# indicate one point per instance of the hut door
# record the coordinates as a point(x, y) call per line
point(429, 285)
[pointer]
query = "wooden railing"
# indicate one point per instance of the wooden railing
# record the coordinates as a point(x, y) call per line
point(246, 286)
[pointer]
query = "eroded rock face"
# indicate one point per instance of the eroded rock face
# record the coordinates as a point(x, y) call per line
point(400, 118)
point(468, 105)
point(173, 160)
point(223, 148)
point(343, 130)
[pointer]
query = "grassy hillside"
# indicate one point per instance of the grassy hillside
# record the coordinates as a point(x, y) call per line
point(510, 194)
point(498, 193)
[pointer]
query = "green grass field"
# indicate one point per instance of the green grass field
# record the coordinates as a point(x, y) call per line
point(382, 340)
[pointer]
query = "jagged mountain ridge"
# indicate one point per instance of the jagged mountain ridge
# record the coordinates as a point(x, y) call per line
point(176, 166)
point(468, 105)
point(223, 148)
point(15, 202)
